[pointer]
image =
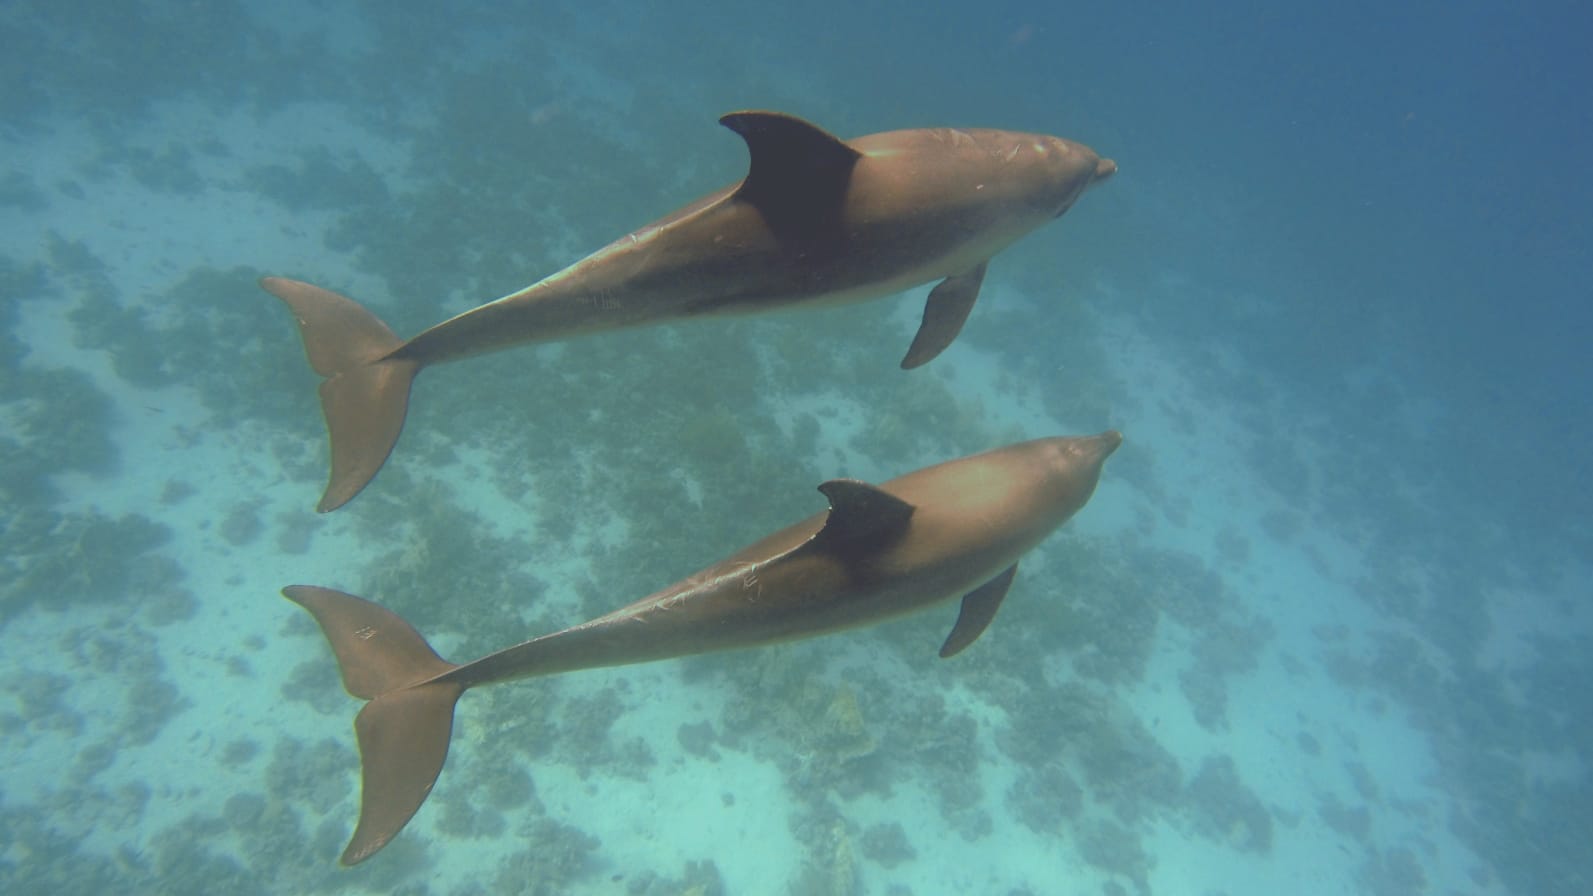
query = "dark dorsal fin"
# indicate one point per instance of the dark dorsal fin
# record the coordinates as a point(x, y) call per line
point(862, 517)
point(979, 606)
point(798, 174)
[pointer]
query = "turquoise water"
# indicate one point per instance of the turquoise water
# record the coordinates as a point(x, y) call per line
point(1320, 629)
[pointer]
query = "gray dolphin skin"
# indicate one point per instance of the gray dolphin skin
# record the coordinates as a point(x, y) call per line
point(817, 220)
point(956, 529)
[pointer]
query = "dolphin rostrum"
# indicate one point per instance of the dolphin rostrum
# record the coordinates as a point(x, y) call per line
point(816, 220)
point(953, 529)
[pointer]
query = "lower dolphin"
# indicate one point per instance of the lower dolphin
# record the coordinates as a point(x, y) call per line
point(956, 529)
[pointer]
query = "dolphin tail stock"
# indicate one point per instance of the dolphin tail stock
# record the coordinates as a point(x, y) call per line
point(366, 391)
point(403, 732)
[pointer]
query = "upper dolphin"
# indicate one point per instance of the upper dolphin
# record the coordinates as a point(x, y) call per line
point(816, 220)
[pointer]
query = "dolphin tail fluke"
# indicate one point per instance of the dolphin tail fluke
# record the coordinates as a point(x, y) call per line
point(366, 392)
point(404, 730)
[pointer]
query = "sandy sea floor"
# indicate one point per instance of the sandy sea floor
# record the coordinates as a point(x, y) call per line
point(1224, 676)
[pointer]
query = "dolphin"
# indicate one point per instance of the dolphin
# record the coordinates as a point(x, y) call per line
point(817, 220)
point(954, 529)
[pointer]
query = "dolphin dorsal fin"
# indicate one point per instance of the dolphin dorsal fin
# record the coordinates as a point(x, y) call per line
point(862, 517)
point(979, 606)
point(798, 173)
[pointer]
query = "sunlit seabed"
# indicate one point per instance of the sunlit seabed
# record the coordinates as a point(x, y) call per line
point(1258, 657)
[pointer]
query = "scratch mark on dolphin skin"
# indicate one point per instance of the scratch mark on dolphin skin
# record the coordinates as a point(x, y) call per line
point(603, 299)
point(959, 137)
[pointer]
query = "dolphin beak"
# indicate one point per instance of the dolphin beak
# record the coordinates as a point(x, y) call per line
point(1104, 444)
point(1104, 169)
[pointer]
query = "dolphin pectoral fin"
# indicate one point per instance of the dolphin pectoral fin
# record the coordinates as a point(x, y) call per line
point(862, 517)
point(366, 393)
point(944, 314)
point(979, 606)
point(798, 173)
point(403, 731)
